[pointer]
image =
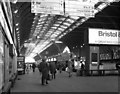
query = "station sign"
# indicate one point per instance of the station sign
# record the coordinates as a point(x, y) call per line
point(83, 8)
point(109, 0)
point(20, 58)
point(104, 36)
point(79, 8)
point(47, 6)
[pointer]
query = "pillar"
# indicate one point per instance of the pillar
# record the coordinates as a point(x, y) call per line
point(87, 52)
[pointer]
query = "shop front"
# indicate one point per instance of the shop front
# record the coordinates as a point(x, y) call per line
point(102, 50)
point(7, 53)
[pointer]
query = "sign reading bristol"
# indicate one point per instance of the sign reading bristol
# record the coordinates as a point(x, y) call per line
point(104, 36)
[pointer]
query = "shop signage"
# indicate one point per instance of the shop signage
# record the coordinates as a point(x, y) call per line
point(21, 59)
point(104, 36)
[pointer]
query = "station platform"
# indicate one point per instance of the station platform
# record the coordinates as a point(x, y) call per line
point(31, 82)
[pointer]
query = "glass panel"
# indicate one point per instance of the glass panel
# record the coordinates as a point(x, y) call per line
point(56, 24)
point(70, 20)
point(62, 26)
point(67, 24)
point(61, 29)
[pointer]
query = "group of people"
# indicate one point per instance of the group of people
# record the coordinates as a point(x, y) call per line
point(27, 67)
point(46, 69)
point(73, 65)
point(49, 69)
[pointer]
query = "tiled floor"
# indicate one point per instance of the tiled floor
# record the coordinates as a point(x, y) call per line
point(31, 83)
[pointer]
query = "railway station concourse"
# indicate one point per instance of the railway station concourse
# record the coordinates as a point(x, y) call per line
point(58, 31)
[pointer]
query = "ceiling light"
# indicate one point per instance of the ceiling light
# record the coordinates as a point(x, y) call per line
point(14, 1)
point(38, 37)
point(33, 21)
point(17, 24)
point(17, 28)
point(25, 40)
point(15, 11)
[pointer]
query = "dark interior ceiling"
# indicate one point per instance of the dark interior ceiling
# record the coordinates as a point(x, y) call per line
point(108, 18)
point(24, 17)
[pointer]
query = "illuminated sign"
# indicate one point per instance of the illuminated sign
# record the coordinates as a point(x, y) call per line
point(104, 36)
point(47, 6)
point(83, 8)
point(21, 59)
point(79, 8)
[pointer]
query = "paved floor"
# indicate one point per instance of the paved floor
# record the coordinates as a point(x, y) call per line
point(31, 83)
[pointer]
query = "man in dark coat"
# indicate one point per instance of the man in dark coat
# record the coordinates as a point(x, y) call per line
point(52, 67)
point(44, 69)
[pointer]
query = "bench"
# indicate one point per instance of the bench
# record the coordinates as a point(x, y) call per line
point(101, 71)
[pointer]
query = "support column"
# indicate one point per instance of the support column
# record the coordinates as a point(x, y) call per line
point(87, 52)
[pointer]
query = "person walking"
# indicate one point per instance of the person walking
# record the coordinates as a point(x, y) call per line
point(60, 67)
point(27, 68)
point(52, 67)
point(44, 69)
point(82, 68)
point(69, 68)
point(33, 67)
point(24, 68)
